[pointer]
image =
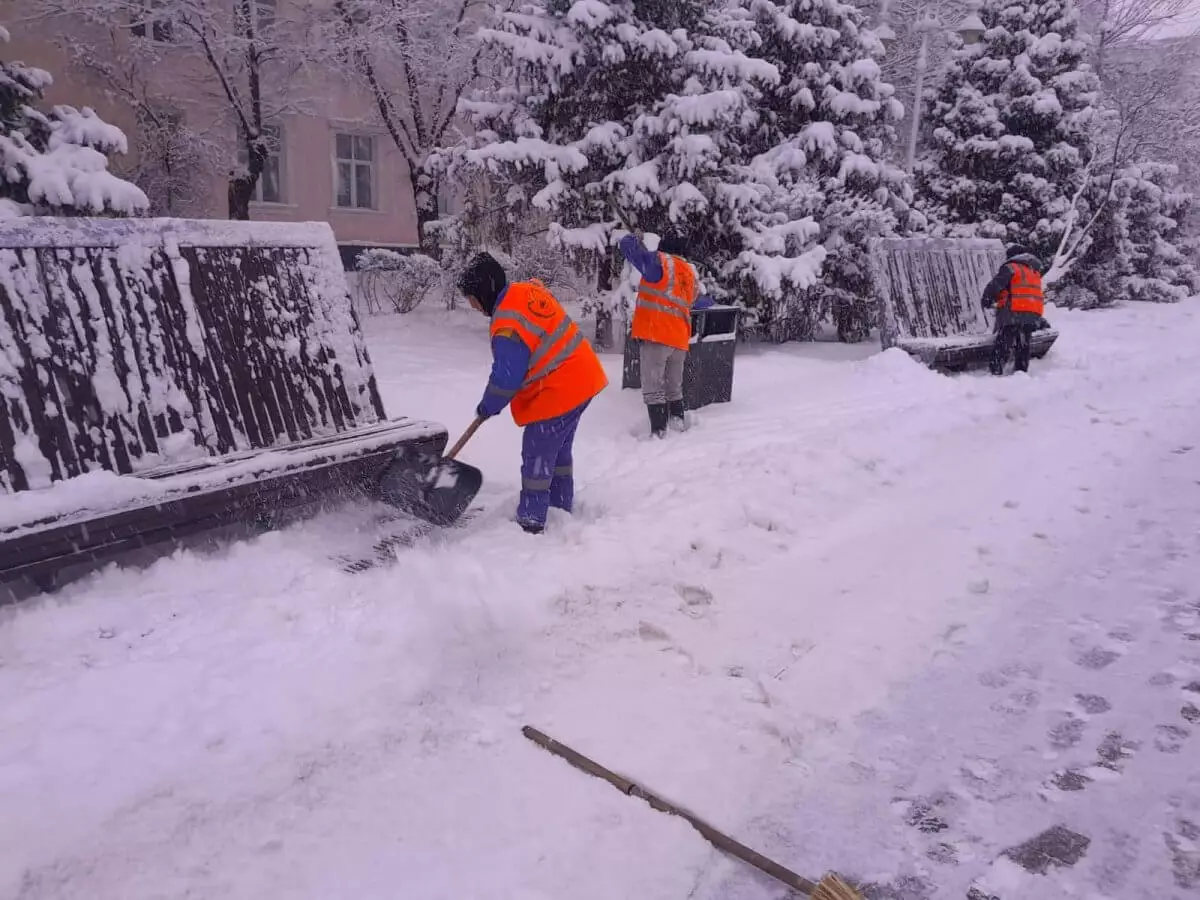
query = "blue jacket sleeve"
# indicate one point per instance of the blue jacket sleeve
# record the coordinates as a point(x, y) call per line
point(640, 258)
point(999, 283)
point(703, 302)
point(510, 362)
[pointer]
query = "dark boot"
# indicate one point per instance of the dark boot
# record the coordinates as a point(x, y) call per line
point(658, 419)
point(531, 527)
point(675, 408)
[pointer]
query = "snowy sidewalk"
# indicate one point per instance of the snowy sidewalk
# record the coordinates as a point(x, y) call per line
point(780, 620)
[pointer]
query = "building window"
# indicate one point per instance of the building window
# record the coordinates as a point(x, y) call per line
point(354, 162)
point(263, 11)
point(156, 27)
point(269, 188)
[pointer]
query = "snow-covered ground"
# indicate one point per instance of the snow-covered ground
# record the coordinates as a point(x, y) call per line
point(866, 618)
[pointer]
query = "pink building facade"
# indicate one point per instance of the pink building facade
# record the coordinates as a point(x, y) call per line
point(331, 160)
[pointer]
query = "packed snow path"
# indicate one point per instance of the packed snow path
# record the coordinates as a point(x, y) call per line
point(865, 618)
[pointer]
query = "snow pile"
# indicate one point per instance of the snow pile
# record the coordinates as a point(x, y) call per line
point(56, 162)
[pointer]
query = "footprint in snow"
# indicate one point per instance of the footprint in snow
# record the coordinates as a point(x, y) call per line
point(1097, 658)
point(1170, 738)
point(694, 595)
point(1093, 704)
point(1067, 732)
point(1008, 877)
point(1114, 750)
point(1184, 846)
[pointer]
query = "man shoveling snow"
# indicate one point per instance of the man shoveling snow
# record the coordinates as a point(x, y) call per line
point(544, 366)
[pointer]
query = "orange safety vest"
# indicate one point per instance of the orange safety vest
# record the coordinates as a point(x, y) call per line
point(564, 371)
point(663, 314)
point(1024, 293)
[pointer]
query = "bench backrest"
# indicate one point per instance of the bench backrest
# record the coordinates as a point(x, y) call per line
point(127, 344)
point(931, 287)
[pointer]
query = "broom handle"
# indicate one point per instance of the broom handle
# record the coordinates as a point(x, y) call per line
point(466, 436)
point(716, 838)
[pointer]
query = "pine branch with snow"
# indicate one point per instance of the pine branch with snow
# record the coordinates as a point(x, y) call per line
point(56, 163)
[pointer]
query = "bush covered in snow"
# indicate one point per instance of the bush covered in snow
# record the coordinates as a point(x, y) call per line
point(395, 281)
point(56, 163)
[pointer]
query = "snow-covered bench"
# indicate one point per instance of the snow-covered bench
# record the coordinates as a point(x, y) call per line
point(929, 291)
point(159, 378)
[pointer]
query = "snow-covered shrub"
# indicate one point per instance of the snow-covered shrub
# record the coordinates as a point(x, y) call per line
point(56, 163)
point(1137, 244)
point(396, 281)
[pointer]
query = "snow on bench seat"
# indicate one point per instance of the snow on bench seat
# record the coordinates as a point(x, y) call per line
point(929, 292)
point(160, 377)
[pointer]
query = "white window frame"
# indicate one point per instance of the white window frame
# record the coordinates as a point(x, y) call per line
point(355, 163)
point(279, 155)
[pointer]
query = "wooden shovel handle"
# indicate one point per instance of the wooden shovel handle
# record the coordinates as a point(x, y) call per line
point(466, 436)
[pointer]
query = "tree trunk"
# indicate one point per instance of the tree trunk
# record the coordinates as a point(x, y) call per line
point(241, 190)
point(604, 339)
point(425, 202)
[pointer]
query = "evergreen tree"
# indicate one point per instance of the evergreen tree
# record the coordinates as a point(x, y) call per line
point(573, 77)
point(756, 129)
point(1009, 127)
point(55, 163)
point(1160, 272)
point(829, 124)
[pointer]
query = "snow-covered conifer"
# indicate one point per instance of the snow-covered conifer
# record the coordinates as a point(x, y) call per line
point(56, 163)
point(829, 123)
point(1010, 127)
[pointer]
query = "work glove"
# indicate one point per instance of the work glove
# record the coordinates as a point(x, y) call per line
point(482, 412)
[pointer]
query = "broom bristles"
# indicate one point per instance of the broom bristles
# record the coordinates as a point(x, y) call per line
point(831, 887)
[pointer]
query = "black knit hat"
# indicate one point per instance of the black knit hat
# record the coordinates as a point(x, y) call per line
point(483, 279)
point(673, 244)
point(1017, 250)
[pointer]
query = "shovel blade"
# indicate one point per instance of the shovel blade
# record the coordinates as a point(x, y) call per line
point(430, 488)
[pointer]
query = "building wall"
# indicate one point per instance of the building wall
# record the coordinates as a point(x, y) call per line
point(326, 107)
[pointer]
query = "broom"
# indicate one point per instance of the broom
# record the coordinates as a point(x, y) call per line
point(831, 887)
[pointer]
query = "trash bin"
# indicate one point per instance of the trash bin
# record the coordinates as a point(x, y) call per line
point(708, 371)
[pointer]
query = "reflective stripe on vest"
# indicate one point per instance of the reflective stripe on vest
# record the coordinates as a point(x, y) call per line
point(1024, 292)
point(547, 340)
point(663, 299)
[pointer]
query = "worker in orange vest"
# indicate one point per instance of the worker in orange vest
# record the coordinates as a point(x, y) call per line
point(1016, 293)
point(662, 322)
point(545, 368)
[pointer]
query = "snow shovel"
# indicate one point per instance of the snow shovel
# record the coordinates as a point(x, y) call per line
point(434, 488)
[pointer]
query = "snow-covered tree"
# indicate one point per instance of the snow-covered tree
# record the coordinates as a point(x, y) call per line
point(244, 57)
point(830, 122)
point(1010, 127)
point(571, 77)
point(414, 60)
point(754, 129)
point(56, 163)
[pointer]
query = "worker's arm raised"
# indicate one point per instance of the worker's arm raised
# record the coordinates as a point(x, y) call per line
point(645, 261)
point(510, 362)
